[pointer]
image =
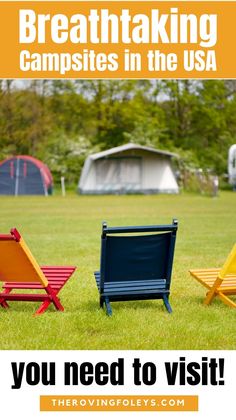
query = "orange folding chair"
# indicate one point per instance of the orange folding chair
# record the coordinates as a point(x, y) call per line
point(20, 271)
point(220, 282)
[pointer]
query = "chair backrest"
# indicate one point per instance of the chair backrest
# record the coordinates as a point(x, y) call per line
point(137, 257)
point(229, 266)
point(17, 264)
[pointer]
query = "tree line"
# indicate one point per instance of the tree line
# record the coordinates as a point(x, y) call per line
point(62, 121)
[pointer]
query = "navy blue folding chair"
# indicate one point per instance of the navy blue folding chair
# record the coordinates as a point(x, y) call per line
point(136, 267)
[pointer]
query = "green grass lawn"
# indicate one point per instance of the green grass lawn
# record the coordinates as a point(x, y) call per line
point(67, 231)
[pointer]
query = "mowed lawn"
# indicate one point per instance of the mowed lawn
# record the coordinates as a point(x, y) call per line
point(67, 231)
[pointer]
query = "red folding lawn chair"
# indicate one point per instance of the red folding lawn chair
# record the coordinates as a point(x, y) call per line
point(19, 270)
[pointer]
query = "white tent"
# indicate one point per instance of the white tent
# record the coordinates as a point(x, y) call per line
point(130, 168)
point(232, 165)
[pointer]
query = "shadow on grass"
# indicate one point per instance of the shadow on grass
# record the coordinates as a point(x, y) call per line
point(217, 302)
point(27, 309)
point(120, 307)
point(19, 309)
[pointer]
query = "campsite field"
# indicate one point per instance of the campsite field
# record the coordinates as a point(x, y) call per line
point(67, 231)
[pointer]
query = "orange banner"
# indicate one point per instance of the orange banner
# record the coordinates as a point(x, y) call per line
point(119, 403)
point(117, 39)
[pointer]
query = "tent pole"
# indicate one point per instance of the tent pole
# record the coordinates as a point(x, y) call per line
point(63, 188)
point(44, 185)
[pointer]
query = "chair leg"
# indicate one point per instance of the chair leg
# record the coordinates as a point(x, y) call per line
point(52, 298)
point(57, 303)
point(101, 302)
point(209, 297)
point(55, 300)
point(108, 306)
point(42, 307)
point(167, 304)
point(212, 292)
point(3, 302)
point(226, 300)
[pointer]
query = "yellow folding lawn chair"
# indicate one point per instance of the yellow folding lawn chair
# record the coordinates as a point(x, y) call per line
point(220, 282)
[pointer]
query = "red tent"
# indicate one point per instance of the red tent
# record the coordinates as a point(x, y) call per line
point(25, 175)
